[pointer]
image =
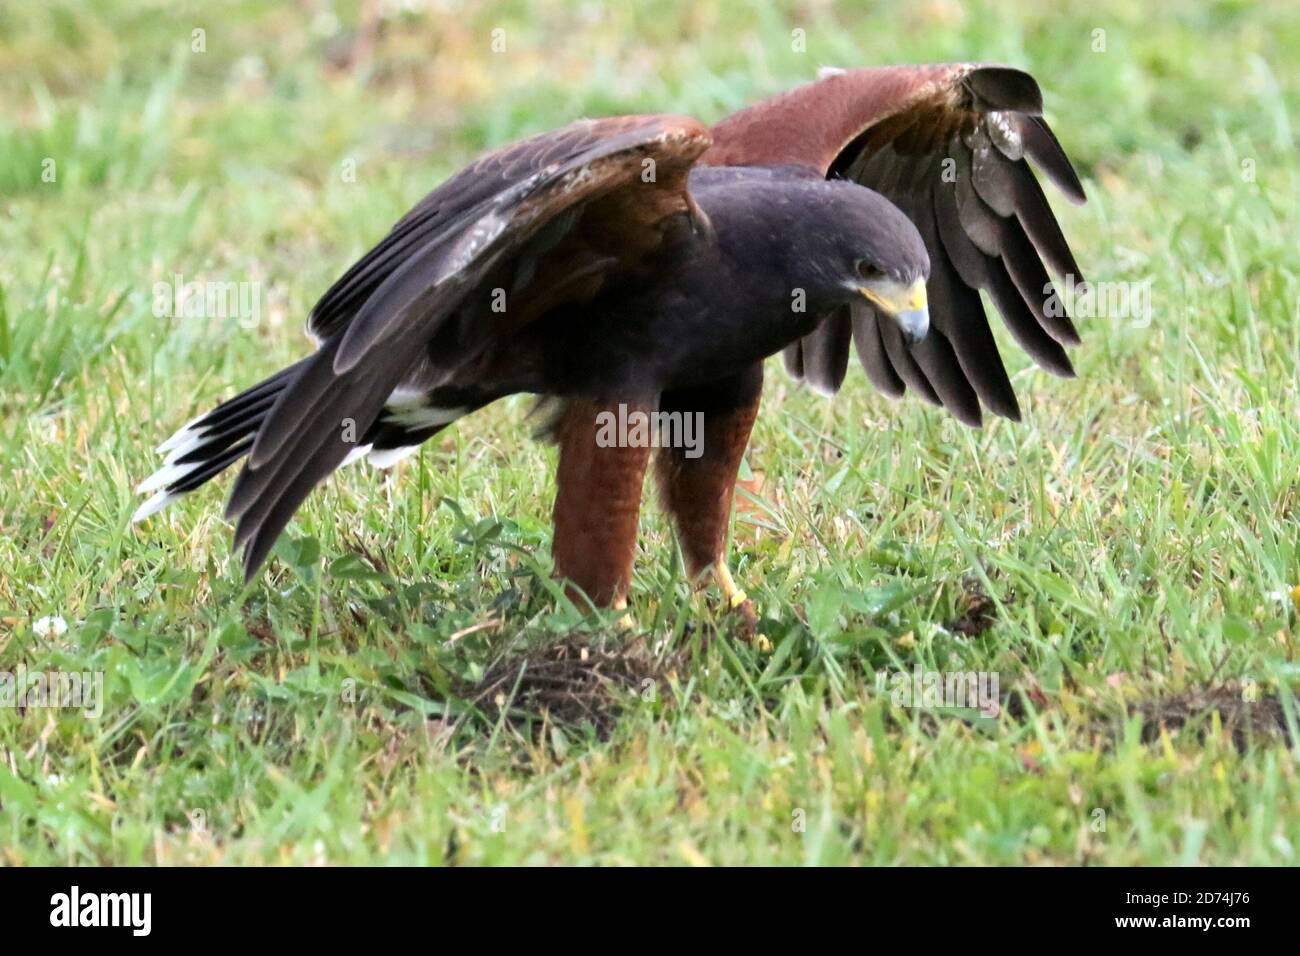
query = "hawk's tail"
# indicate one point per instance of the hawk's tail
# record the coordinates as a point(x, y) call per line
point(211, 443)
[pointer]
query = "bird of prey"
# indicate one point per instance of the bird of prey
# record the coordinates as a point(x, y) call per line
point(652, 263)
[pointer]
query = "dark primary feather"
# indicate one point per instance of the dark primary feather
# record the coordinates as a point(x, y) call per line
point(1003, 88)
point(904, 362)
point(958, 313)
point(825, 352)
point(1042, 146)
point(871, 351)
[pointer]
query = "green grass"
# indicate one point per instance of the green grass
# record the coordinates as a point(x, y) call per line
point(1137, 535)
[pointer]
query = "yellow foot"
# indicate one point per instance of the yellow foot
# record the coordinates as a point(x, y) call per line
point(627, 622)
point(733, 595)
point(737, 601)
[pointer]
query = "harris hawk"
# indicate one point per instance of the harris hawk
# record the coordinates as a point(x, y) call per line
point(652, 263)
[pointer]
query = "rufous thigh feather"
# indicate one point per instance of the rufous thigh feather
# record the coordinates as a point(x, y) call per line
point(697, 492)
point(597, 503)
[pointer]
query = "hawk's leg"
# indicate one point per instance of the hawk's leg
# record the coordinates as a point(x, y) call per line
point(697, 483)
point(597, 503)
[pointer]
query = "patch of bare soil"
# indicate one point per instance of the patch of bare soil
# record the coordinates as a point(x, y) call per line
point(1244, 716)
point(1245, 719)
point(580, 680)
point(976, 611)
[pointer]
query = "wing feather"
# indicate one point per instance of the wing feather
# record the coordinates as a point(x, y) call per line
point(871, 351)
point(826, 352)
point(905, 364)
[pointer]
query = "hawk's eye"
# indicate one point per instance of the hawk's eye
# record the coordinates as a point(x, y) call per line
point(868, 271)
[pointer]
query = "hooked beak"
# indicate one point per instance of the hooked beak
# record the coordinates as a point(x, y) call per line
point(906, 305)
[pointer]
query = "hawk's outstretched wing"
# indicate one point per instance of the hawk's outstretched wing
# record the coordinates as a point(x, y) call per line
point(948, 145)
